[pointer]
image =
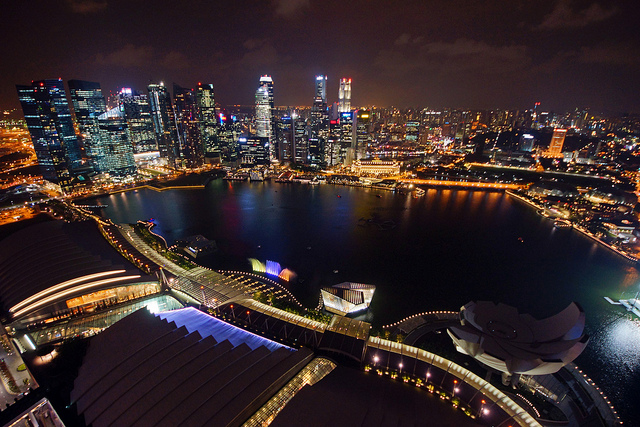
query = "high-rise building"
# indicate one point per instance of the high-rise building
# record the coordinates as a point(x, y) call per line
point(284, 139)
point(332, 146)
point(363, 134)
point(114, 154)
point(191, 152)
point(164, 122)
point(321, 90)
point(264, 112)
point(300, 140)
point(48, 118)
point(228, 137)
point(139, 122)
point(557, 141)
point(319, 123)
point(254, 150)
point(88, 104)
point(347, 141)
point(205, 101)
point(412, 131)
point(344, 96)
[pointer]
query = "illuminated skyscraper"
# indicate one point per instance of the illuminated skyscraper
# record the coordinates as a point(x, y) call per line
point(114, 153)
point(321, 90)
point(284, 139)
point(332, 145)
point(48, 118)
point(344, 96)
point(88, 104)
point(300, 140)
point(205, 101)
point(229, 132)
point(363, 134)
point(347, 142)
point(557, 141)
point(264, 112)
point(137, 110)
point(191, 152)
point(164, 122)
point(319, 123)
point(412, 131)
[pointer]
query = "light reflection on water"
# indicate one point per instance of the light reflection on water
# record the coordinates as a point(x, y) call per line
point(614, 362)
point(449, 247)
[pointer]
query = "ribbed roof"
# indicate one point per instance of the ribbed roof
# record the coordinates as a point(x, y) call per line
point(147, 370)
point(44, 255)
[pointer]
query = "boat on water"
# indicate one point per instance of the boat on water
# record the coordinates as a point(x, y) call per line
point(562, 223)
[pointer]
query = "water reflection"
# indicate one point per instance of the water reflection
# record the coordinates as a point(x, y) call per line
point(448, 248)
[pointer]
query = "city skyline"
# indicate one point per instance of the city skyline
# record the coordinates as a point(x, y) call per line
point(563, 54)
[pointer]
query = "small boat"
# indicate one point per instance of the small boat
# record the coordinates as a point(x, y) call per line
point(520, 239)
point(378, 196)
point(339, 196)
point(335, 271)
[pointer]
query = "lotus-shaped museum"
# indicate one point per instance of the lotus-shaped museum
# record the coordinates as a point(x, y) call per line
point(501, 338)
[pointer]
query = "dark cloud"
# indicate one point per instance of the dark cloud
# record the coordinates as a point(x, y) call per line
point(175, 60)
point(87, 6)
point(564, 15)
point(462, 55)
point(289, 8)
point(127, 56)
point(613, 55)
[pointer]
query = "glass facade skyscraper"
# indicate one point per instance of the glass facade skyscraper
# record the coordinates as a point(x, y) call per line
point(114, 154)
point(137, 110)
point(164, 122)
point(191, 151)
point(88, 104)
point(205, 100)
point(264, 112)
point(48, 119)
point(344, 96)
point(319, 124)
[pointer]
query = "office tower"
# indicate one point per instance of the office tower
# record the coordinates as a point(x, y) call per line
point(319, 124)
point(363, 134)
point(88, 104)
point(114, 153)
point(332, 144)
point(347, 143)
point(205, 101)
point(557, 141)
point(284, 139)
point(139, 122)
point(300, 140)
point(321, 90)
point(228, 136)
point(412, 131)
point(191, 152)
point(264, 112)
point(48, 119)
point(254, 150)
point(164, 122)
point(344, 96)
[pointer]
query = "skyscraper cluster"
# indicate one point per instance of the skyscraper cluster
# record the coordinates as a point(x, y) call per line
point(319, 137)
point(182, 131)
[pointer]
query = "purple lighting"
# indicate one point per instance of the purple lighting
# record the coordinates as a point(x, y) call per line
point(273, 268)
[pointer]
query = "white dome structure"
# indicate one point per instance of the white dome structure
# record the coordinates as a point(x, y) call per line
point(501, 338)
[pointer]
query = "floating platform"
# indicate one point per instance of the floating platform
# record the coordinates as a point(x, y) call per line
point(632, 305)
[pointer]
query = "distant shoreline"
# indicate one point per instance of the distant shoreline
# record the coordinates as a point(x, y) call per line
point(577, 228)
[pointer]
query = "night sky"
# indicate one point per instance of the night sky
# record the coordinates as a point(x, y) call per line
point(437, 53)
